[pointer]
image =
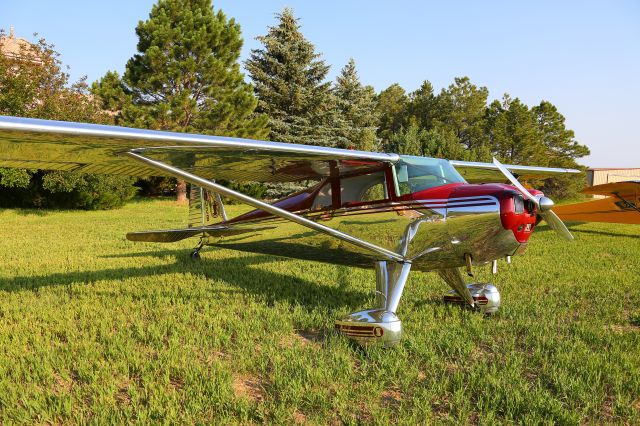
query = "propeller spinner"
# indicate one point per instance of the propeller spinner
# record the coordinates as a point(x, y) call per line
point(543, 204)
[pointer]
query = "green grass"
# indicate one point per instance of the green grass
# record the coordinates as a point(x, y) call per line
point(94, 328)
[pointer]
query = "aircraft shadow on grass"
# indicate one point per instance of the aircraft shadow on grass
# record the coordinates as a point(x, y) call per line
point(574, 230)
point(271, 286)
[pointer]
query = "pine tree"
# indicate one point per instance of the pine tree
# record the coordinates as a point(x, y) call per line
point(356, 110)
point(391, 104)
point(289, 79)
point(461, 108)
point(514, 134)
point(562, 148)
point(422, 106)
point(428, 143)
point(186, 76)
point(112, 94)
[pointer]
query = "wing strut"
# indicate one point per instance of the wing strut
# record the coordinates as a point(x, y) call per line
point(276, 211)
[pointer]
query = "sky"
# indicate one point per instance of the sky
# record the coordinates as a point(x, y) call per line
point(582, 56)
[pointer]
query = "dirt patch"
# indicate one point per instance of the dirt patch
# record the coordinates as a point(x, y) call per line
point(441, 408)
point(391, 398)
point(248, 386)
point(621, 329)
point(61, 385)
point(303, 337)
point(607, 409)
point(215, 355)
point(481, 351)
point(299, 418)
point(176, 382)
point(122, 396)
point(364, 414)
point(209, 357)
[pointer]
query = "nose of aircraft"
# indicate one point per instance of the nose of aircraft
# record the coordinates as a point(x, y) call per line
point(545, 213)
point(517, 214)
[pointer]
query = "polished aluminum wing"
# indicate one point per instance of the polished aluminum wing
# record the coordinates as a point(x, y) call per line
point(477, 172)
point(90, 148)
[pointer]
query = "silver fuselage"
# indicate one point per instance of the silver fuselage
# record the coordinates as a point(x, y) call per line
point(431, 234)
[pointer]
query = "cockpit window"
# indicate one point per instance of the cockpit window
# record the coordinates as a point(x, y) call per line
point(363, 188)
point(413, 174)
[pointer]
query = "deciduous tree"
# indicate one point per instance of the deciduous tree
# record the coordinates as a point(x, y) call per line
point(32, 84)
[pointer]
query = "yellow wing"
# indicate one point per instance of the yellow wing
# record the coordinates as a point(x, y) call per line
point(621, 206)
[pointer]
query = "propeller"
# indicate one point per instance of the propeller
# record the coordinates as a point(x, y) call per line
point(543, 204)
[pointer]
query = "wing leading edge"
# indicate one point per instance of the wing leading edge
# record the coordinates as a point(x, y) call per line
point(475, 172)
point(91, 148)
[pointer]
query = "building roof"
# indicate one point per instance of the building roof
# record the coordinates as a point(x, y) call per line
point(14, 47)
point(600, 169)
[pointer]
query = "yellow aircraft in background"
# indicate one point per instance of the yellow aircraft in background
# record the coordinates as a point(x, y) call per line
point(622, 205)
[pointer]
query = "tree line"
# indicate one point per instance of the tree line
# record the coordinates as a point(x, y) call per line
point(186, 77)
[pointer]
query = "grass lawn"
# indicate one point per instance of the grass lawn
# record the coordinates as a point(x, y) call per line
point(94, 328)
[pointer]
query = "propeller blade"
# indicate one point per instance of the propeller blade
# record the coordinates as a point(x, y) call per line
point(544, 211)
point(514, 181)
point(556, 224)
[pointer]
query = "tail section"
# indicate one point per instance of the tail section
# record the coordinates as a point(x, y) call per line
point(164, 236)
point(173, 235)
point(204, 207)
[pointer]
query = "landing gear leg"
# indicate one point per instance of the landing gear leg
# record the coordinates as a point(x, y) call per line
point(483, 297)
point(380, 325)
point(453, 277)
point(195, 253)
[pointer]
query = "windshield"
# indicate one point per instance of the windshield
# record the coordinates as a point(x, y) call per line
point(415, 174)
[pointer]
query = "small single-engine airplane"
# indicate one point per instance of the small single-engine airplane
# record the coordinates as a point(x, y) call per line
point(621, 205)
point(390, 211)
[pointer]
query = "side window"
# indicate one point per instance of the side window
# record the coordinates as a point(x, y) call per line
point(405, 188)
point(375, 192)
point(363, 188)
point(323, 199)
